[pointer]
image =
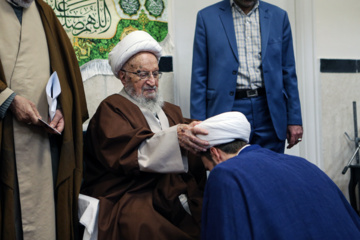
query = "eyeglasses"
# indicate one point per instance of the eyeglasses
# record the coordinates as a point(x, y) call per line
point(145, 75)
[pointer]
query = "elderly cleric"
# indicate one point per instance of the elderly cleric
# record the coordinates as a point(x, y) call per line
point(137, 154)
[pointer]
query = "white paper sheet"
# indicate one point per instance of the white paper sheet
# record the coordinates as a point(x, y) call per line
point(53, 90)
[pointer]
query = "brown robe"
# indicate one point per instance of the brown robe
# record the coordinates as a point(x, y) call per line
point(135, 204)
point(72, 98)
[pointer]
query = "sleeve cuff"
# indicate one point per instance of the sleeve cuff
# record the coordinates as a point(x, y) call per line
point(6, 104)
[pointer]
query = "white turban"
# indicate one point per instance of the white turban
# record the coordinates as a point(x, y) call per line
point(133, 43)
point(225, 128)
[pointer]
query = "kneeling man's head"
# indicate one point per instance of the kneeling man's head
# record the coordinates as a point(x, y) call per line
point(227, 134)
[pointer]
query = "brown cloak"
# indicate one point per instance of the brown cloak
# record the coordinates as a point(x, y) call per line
point(72, 98)
point(135, 204)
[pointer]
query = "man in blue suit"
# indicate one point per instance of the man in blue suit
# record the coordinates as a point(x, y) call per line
point(243, 60)
point(253, 193)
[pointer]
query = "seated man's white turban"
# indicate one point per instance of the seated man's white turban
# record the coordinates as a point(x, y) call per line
point(225, 128)
point(133, 43)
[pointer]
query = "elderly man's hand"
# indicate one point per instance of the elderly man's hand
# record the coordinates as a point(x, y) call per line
point(188, 140)
point(24, 110)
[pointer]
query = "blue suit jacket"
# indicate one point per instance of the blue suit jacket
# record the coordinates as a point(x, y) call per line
point(264, 195)
point(216, 62)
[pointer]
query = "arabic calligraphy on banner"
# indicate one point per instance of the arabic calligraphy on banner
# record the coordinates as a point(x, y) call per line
point(96, 26)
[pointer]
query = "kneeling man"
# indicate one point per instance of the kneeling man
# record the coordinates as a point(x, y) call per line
point(255, 193)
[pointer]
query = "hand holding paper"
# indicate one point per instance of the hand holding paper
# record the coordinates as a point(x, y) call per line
point(53, 90)
point(48, 127)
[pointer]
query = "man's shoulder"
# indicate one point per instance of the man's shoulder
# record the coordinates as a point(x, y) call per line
point(45, 7)
point(173, 112)
point(255, 156)
point(248, 157)
point(168, 105)
point(113, 98)
point(117, 101)
point(48, 13)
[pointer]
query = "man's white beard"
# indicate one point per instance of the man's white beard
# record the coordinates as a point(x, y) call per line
point(153, 104)
point(21, 3)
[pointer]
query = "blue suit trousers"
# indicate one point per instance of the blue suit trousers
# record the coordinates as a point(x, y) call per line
point(262, 129)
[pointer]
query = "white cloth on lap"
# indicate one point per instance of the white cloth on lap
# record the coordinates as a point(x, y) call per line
point(88, 215)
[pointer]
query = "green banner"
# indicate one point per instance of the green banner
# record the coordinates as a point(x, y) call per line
point(96, 26)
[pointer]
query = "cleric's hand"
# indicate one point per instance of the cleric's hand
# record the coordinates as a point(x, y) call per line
point(188, 140)
point(58, 121)
point(24, 110)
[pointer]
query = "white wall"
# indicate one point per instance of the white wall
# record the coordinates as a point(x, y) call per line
point(338, 31)
point(184, 17)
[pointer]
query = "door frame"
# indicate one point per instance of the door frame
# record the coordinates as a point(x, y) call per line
point(309, 85)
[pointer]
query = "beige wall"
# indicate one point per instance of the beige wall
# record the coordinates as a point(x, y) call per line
point(337, 35)
point(338, 91)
